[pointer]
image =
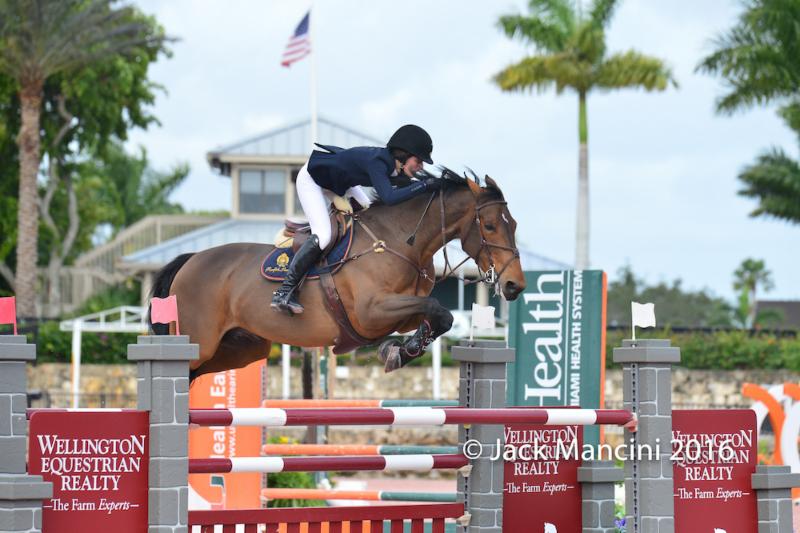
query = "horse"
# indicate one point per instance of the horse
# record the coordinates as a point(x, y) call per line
point(384, 287)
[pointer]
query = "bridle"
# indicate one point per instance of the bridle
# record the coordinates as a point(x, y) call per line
point(491, 275)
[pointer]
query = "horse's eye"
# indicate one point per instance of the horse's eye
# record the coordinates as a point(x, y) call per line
point(490, 227)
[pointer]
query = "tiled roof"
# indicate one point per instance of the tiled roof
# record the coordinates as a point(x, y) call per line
point(293, 141)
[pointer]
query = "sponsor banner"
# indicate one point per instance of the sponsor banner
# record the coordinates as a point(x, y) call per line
point(541, 490)
point(714, 453)
point(98, 464)
point(233, 388)
point(557, 327)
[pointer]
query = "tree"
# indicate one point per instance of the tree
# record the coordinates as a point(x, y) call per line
point(132, 189)
point(38, 40)
point(572, 55)
point(675, 306)
point(759, 59)
point(750, 275)
point(774, 180)
point(9, 185)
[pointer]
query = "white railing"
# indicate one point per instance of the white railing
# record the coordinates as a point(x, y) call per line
point(149, 231)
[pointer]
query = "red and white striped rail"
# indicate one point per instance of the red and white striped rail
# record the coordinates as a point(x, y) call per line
point(406, 416)
point(384, 463)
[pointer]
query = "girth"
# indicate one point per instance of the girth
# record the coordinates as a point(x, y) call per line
point(348, 339)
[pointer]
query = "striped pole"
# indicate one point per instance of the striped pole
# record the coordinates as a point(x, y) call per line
point(317, 403)
point(354, 449)
point(405, 416)
point(384, 463)
point(367, 495)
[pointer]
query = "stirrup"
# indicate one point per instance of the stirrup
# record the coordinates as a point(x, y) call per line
point(280, 300)
point(293, 305)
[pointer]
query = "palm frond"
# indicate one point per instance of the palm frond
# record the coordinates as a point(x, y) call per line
point(759, 58)
point(790, 113)
point(633, 69)
point(533, 72)
point(43, 37)
point(558, 12)
point(157, 187)
point(774, 180)
point(601, 12)
point(546, 36)
point(588, 44)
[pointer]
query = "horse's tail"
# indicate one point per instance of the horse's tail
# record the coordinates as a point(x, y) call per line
point(161, 286)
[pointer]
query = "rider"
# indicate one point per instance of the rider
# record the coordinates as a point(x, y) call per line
point(341, 171)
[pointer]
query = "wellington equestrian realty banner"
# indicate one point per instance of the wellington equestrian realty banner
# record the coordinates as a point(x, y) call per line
point(98, 464)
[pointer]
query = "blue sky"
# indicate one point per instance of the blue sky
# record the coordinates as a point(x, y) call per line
point(662, 166)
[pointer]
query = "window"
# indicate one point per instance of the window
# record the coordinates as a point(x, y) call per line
point(262, 191)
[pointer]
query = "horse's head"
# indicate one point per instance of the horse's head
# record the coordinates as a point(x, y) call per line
point(489, 238)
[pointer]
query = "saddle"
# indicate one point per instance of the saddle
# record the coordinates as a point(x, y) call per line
point(291, 238)
point(297, 231)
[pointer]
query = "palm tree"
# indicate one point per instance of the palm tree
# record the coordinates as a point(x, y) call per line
point(759, 58)
point(750, 275)
point(571, 54)
point(774, 179)
point(40, 38)
point(132, 188)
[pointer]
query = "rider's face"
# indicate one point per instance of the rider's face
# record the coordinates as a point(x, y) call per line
point(412, 166)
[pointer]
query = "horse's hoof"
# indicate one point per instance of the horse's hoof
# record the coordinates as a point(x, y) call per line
point(384, 350)
point(393, 360)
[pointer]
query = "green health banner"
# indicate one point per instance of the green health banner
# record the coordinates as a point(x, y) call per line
point(557, 327)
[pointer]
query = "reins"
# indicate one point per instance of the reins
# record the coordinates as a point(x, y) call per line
point(490, 276)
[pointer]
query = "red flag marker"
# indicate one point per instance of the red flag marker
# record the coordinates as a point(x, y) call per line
point(8, 311)
point(164, 311)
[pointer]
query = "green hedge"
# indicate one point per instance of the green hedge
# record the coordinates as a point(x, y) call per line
point(724, 350)
point(55, 346)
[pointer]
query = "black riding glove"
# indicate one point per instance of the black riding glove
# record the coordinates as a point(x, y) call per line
point(432, 184)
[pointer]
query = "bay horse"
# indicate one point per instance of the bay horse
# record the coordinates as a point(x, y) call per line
point(224, 307)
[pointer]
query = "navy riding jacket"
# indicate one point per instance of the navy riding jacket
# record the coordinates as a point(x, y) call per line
point(338, 169)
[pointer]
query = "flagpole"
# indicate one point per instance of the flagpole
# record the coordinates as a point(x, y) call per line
point(313, 76)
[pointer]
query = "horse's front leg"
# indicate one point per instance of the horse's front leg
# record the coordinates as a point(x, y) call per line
point(435, 320)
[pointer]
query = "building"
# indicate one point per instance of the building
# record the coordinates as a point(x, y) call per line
point(786, 312)
point(262, 171)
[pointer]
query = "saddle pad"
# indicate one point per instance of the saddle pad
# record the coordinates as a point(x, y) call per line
point(276, 264)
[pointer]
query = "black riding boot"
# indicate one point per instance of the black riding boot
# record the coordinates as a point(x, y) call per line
point(285, 296)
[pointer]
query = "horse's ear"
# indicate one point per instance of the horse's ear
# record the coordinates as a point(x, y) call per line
point(491, 183)
point(474, 187)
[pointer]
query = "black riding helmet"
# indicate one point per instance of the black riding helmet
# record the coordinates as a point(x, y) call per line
point(413, 140)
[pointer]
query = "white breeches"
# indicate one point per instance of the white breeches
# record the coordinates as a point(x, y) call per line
point(315, 201)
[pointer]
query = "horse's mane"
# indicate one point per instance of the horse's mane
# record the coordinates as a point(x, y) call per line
point(489, 186)
point(451, 180)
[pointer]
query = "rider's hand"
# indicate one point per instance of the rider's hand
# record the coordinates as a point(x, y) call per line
point(432, 184)
point(342, 205)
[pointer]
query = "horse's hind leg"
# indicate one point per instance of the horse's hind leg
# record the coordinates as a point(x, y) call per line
point(432, 320)
point(237, 349)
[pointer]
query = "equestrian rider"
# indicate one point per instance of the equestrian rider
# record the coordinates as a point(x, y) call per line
point(342, 171)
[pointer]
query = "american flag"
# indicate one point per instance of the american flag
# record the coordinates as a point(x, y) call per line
point(299, 45)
